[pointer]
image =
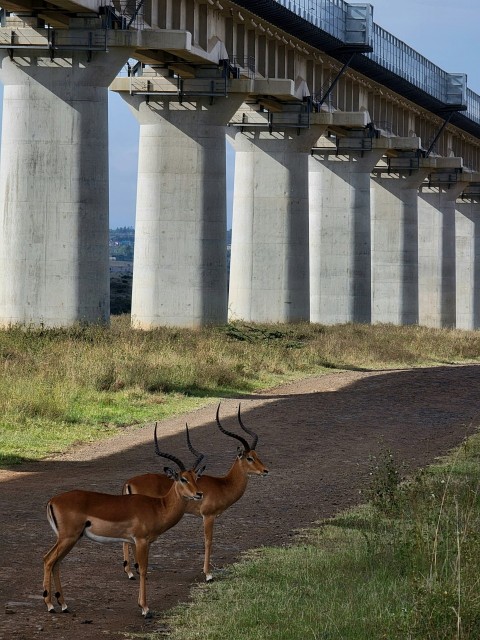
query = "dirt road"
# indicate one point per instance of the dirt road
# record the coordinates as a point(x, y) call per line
point(316, 436)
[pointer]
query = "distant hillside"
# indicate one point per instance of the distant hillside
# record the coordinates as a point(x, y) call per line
point(126, 236)
point(121, 243)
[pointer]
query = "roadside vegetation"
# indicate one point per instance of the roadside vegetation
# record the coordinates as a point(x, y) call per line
point(403, 566)
point(59, 387)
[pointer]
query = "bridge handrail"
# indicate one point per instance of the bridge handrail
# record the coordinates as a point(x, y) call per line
point(399, 57)
point(473, 106)
point(388, 51)
point(328, 15)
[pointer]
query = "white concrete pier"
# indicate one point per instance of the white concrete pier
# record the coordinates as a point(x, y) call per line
point(467, 225)
point(436, 257)
point(395, 248)
point(54, 188)
point(269, 272)
point(340, 245)
point(180, 275)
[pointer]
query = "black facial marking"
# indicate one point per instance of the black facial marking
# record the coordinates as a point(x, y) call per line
point(88, 524)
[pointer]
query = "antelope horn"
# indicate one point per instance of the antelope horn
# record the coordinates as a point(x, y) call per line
point(199, 455)
point(249, 431)
point(245, 444)
point(169, 456)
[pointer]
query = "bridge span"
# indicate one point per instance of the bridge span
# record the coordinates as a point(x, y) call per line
point(357, 171)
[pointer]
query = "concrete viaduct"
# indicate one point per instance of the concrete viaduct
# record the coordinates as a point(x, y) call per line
point(357, 171)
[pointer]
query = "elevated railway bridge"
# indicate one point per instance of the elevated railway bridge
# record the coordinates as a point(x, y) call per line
point(357, 165)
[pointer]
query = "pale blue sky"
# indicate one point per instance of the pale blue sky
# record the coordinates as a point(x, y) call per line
point(445, 32)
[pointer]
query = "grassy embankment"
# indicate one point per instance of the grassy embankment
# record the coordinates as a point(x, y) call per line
point(403, 567)
point(64, 386)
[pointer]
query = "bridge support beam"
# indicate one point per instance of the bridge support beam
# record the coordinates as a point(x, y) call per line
point(467, 223)
point(269, 269)
point(180, 275)
point(54, 267)
point(340, 246)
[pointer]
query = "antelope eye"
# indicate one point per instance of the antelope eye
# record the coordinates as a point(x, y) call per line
point(250, 459)
point(184, 480)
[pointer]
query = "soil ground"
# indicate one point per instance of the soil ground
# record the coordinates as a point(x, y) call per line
point(317, 436)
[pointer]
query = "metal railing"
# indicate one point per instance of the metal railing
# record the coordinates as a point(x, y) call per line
point(335, 18)
point(245, 65)
point(473, 106)
point(328, 15)
point(113, 14)
point(350, 23)
point(52, 40)
point(209, 81)
point(183, 88)
point(124, 14)
point(292, 117)
point(396, 56)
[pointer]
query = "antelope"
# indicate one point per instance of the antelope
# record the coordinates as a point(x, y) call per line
point(219, 493)
point(101, 517)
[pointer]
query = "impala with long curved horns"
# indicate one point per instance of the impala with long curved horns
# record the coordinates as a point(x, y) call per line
point(219, 493)
point(136, 519)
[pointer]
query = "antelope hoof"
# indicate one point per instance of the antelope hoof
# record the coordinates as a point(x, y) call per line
point(63, 605)
point(130, 576)
point(146, 613)
point(50, 608)
point(209, 577)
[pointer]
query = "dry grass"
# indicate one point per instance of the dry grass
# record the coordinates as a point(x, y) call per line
point(95, 379)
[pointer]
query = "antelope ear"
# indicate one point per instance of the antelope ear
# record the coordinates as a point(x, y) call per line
point(171, 473)
point(201, 470)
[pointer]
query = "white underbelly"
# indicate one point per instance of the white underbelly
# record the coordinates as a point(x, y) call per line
point(97, 538)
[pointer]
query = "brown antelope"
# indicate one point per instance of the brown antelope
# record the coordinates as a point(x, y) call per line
point(136, 519)
point(219, 493)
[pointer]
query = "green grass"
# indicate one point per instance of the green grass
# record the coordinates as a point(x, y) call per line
point(404, 567)
point(63, 386)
